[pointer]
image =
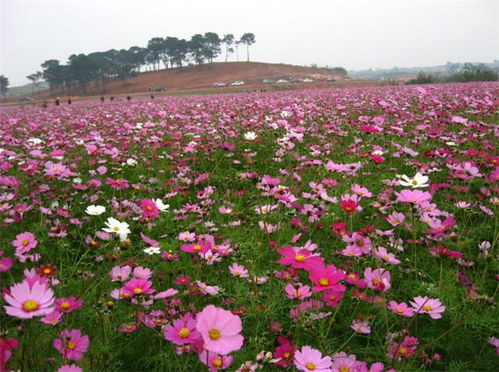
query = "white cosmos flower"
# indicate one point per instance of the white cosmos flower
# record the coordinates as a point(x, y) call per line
point(152, 250)
point(116, 227)
point(250, 136)
point(131, 162)
point(160, 205)
point(416, 182)
point(95, 210)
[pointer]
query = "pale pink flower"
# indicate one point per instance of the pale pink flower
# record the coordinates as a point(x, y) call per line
point(431, 306)
point(28, 301)
point(220, 330)
point(311, 360)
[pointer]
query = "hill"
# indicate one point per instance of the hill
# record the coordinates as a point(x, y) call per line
point(193, 78)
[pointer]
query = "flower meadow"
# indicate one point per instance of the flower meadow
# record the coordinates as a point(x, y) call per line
point(350, 230)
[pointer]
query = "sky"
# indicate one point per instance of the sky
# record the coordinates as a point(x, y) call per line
point(355, 34)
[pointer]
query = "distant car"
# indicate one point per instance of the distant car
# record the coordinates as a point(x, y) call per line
point(237, 83)
point(307, 80)
point(267, 81)
point(159, 89)
point(282, 81)
point(331, 80)
point(296, 80)
point(219, 84)
point(26, 99)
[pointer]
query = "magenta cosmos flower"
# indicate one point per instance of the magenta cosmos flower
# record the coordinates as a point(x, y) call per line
point(326, 277)
point(138, 287)
point(71, 344)
point(183, 331)
point(24, 242)
point(29, 301)
point(220, 330)
point(308, 359)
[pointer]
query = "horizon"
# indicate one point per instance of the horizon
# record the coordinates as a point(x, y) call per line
point(388, 34)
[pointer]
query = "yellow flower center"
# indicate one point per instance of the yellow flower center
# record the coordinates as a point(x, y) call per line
point(287, 355)
point(310, 366)
point(344, 369)
point(71, 345)
point(149, 208)
point(386, 257)
point(214, 334)
point(197, 247)
point(25, 242)
point(299, 258)
point(137, 290)
point(297, 294)
point(414, 182)
point(47, 271)
point(399, 310)
point(116, 228)
point(65, 305)
point(427, 307)
point(402, 350)
point(376, 281)
point(217, 363)
point(30, 305)
point(323, 281)
point(184, 333)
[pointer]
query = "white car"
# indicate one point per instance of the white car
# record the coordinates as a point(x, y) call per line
point(282, 81)
point(307, 80)
point(237, 83)
point(219, 84)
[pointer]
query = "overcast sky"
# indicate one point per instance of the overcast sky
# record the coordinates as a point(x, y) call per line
point(355, 34)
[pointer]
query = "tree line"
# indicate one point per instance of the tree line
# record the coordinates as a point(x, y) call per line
point(461, 73)
point(168, 52)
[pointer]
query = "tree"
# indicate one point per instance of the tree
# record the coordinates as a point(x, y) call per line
point(4, 85)
point(35, 79)
point(177, 50)
point(340, 71)
point(228, 41)
point(53, 73)
point(247, 39)
point(212, 44)
point(197, 48)
point(155, 47)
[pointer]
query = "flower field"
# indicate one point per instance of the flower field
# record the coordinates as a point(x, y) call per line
point(347, 230)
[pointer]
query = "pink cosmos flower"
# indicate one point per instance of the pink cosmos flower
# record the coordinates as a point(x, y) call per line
point(406, 349)
point(66, 305)
point(361, 326)
point(238, 270)
point(137, 287)
point(53, 318)
point(298, 258)
point(150, 210)
point(378, 279)
point(343, 362)
point(431, 306)
point(28, 301)
point(308, 359)
point(183, 331)
point(24, 243)
point(120, 273)
point(198, 247)
point(71, 344)
point(401, 309)
point(333, 297)
point(413, 196)
point(5, 263)
point(214, 361)
point(383, 254)
point(396, 218)
point(220, 330)
point(142, 272)
point(70, 368)
point(494, 341)
point(326, 277)
point(300, 293)
point(285, 351)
